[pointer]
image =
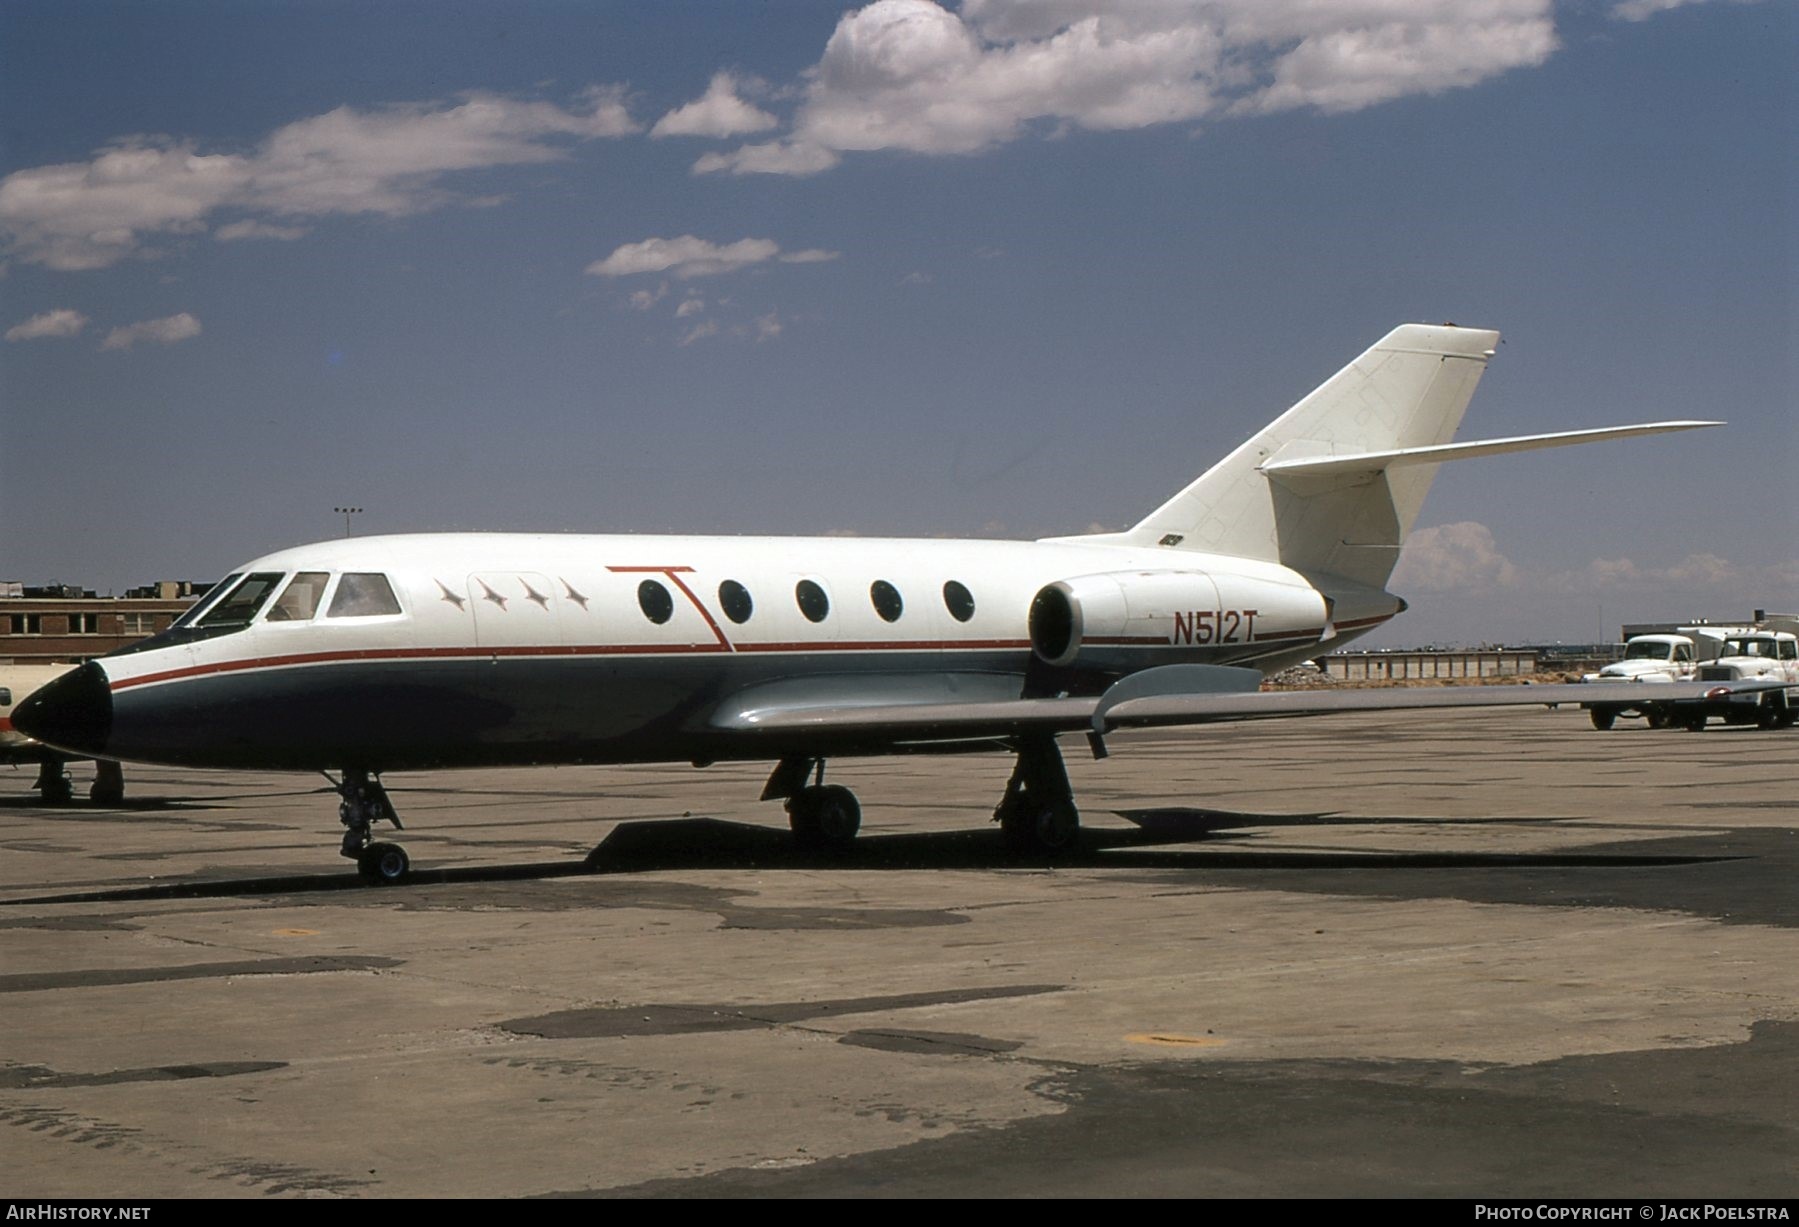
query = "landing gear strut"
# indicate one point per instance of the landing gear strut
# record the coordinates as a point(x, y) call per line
point(52, 783)
point(108, 787)
point(1037, 813)
point(364, 803)
point(822, 815)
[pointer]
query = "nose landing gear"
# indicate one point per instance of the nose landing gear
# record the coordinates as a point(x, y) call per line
point(364, 802)
point(53, 782)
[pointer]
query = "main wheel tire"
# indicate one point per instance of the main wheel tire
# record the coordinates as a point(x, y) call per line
point(1657, 717)
point(383, 864)
point(57, 792)
point(1045, 829)
point(825, 816)
point(1603, 717)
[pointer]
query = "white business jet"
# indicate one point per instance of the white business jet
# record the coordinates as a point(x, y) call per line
point(403, 653)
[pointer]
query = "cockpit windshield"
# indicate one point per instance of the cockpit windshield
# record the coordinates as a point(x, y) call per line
point(243, 602)
point(206, 602)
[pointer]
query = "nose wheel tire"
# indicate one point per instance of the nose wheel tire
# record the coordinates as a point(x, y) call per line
point(383, 864)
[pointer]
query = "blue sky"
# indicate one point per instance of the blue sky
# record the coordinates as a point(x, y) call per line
point(997, 269)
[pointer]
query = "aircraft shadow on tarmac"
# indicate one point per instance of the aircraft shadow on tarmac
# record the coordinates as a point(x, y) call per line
point(1163, 839)
point(80, 806)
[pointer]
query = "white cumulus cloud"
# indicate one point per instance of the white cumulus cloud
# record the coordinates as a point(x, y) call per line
point(719, 112)
point(706, 328)
point(62, 322)
point(1692, 571)
point(164, 331)
point(1642, 10)
point(249, 229)
point(688, 256)
point(912, 75)
point(388, 160)
point(772, 158)
point(1450, 557)
point(643, 300)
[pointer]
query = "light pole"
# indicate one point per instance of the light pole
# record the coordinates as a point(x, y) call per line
point(346, 513)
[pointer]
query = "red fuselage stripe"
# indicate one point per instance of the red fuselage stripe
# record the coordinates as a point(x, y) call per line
point(551, 650)
point(721, 646)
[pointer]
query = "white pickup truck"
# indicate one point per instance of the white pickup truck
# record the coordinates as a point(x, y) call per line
point(1748, 655)
point(1650, 660)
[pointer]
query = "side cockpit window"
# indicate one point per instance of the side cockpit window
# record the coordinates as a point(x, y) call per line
point(299, 601)
point(362, 594)
point(240, 606)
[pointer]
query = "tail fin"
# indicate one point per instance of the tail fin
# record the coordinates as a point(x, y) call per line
point(1408, 391)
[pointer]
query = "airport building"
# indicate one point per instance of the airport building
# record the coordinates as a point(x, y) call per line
point(58, 623)
point(1428, 664)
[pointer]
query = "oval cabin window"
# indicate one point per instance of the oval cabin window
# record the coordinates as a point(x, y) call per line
point(886, 600)
point(657, 605)
point(958, 600)
point(812, 600)
point(735, 600)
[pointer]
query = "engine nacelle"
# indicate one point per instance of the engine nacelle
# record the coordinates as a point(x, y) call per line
point(1193, 610)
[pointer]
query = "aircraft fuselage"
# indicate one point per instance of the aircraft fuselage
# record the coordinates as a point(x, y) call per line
point(507, 649)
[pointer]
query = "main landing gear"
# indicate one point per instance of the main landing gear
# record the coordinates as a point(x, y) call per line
point(822, 815)
point(1037, 814)
point(364, 803)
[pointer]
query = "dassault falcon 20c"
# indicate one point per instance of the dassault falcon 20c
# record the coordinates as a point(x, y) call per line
point(399, 653)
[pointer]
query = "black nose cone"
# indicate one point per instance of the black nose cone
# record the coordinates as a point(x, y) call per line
point(72, 713)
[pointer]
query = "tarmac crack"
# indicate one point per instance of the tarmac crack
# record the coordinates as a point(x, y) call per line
point(32, 982)
point(640, 1020)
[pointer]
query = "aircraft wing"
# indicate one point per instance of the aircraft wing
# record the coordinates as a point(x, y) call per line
point(1146, 705)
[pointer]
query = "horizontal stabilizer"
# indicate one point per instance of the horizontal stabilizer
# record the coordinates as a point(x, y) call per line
point(1375, 462)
